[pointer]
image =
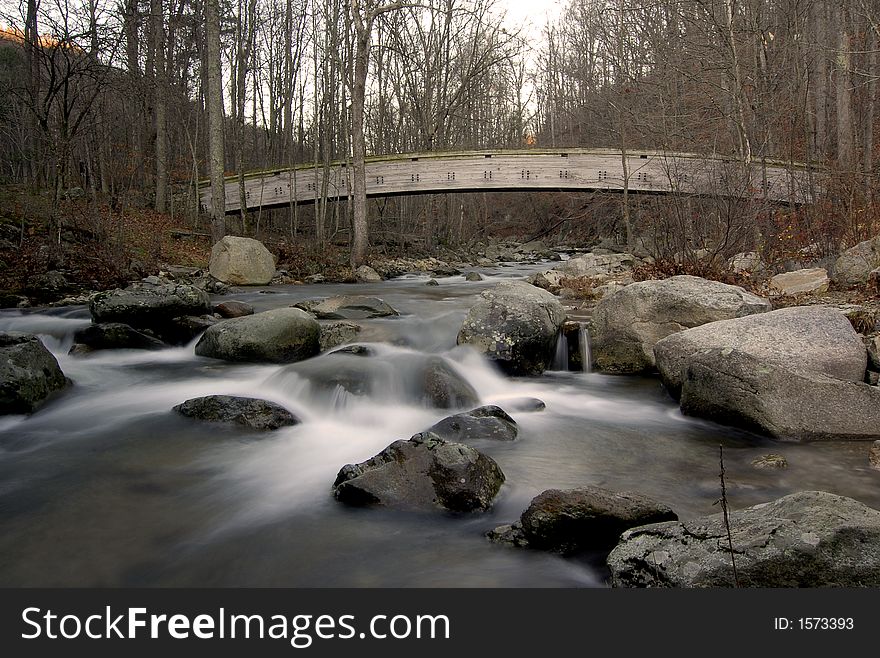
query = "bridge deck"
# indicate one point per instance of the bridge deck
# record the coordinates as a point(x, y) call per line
point(525, 170)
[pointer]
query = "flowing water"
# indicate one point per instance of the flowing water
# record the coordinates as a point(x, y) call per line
point(106, 486)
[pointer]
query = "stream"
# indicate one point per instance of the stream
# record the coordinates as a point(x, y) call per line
point(106, 486)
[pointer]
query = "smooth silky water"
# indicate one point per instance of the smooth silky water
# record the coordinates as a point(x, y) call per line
point(106, 486)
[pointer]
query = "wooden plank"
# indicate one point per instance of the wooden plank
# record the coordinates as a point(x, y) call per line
point(527, 170)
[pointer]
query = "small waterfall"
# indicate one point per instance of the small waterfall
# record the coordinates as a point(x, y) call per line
point(560, 356)
point(584, 346)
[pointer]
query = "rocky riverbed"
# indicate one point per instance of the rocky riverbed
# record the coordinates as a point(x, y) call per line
point(374, 433)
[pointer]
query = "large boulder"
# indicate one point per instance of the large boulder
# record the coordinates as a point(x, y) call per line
point(242, 262)
point(114, 336)
point(855, 264)
point(515, 325)
point(28, 373)
point(812, 280)
point(567, 521)
point(806, 539)
point(151, 307)
point(366, 274)
point(252, 413)
point(487, 422)
point(627, 325)
point(783, 401)
point(347, 307)
point(282, 335)
point(813, 338)
point(422, 473)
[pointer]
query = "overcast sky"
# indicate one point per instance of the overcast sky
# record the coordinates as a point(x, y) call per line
point(531, 11)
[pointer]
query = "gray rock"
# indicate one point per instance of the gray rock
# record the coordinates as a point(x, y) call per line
point(187, 327)
point(813, 338)
point(806, 539)
point(510, 534)
point(432, 282)
point(745, 261)
point(233, 309)
point(443, 387)
point(551, 280)
point(872, 344)
point(514, 325)
point(854, 265)
point(252, 413)
point(115, 336)
point(586, 518)
point(423, 473)
point(47, 286)
point(242, 262)
point(366, 274)
point(487, 422)
point(813, 280)
point(737, 388)
point(28, 373)
point(338, 333)
point(282, 335)
point(874, 455)
point(347, 307)
point(627, 324)
point(596, 265)
point(144, 306)
point(473, 276)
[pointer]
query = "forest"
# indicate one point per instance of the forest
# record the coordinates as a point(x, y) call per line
point(114, 111)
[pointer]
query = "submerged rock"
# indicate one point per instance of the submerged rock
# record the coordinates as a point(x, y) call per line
point(806, 539)
point(233, 309)
point(338, 333)
point(347, 307)
point(488, 422)
point(443, 387)
point(405, 377)
point(282, 335)
point(473, 276)
point(28, 373)
point(422, 473)
point(771, 461)
point(587, 518)
point(114, 336)
point(253, 413)
point(525, 404)
point(514, 325)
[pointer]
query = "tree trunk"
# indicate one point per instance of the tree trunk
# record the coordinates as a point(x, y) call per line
point(215, 120)
point(846, 147)
point(360, 241)
point(160, 105)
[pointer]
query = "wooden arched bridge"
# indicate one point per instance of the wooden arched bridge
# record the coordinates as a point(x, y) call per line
point(524, 170)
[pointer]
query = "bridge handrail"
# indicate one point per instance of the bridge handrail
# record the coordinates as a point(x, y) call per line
point(424, 155)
